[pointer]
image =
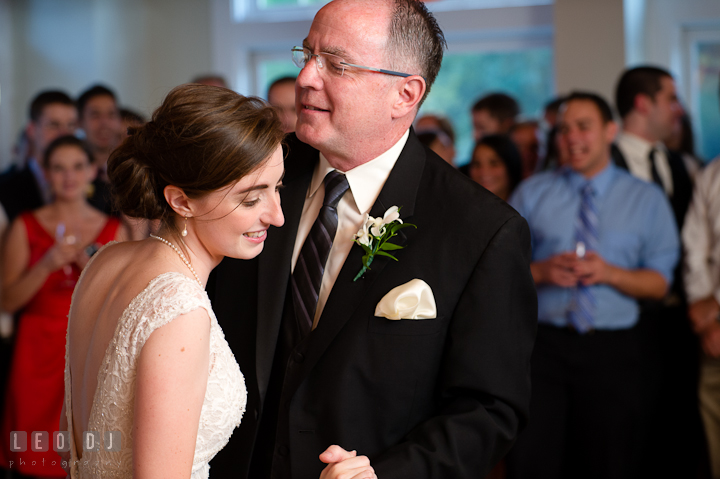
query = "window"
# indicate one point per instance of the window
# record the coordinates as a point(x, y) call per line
point(706, 104)
point(525, 74)
point(699, 82)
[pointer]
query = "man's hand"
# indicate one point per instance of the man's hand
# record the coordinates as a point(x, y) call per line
point(558, 270)
point(703, 313)
point(592, 269)
point(342, 464)
point(711, 340)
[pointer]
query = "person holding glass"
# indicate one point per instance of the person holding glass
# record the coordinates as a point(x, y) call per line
point(45, 251)
point(602, 240)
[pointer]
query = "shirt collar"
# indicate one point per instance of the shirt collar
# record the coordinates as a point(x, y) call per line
point(640, 147)
point(600, 182)
point(365, 180)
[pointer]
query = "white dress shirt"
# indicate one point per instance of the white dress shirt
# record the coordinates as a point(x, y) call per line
point(366, 181)
point(636, 151)
point(701, 236)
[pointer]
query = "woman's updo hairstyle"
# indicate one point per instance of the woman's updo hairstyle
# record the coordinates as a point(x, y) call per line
point(200, 139)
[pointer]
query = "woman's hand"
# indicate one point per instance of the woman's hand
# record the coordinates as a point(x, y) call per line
point(342, 464)
point(59, 255)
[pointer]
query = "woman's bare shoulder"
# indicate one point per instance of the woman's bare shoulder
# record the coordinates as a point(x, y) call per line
point(126, 266)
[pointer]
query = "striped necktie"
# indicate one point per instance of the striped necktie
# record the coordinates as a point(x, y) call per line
point(582, 312)
point(307, 276)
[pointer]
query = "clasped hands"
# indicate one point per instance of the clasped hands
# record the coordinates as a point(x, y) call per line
point(567, 270)
point(342, 464)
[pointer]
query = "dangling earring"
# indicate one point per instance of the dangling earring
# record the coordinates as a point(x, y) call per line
point(184, 231)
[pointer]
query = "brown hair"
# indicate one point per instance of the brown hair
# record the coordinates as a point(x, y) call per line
point(200, 139)
point(67, 140)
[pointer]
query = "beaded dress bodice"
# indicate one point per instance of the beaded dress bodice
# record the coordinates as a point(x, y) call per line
point(166, 297)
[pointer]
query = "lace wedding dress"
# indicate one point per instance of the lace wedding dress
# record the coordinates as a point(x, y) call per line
point(165, 298)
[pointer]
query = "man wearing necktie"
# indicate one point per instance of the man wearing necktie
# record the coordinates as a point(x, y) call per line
point(435, 391)
point(646, 99)
point(602, 240)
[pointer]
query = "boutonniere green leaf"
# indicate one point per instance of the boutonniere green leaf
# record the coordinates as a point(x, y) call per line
point(375, 234)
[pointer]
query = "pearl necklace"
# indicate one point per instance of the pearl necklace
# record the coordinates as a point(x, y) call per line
point(182, 257)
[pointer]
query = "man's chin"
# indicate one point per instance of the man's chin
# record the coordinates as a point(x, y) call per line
point(307, 134)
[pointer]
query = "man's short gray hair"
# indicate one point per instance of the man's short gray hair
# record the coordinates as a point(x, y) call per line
point(416, 43)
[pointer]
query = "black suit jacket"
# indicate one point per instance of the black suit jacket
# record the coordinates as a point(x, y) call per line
point(433, 398)
point(19, 192)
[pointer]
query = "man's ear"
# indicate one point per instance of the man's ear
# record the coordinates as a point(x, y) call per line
point(611, 129)
point(410, 91)
point(178, 200)
point(642, 103)
point(31, 131)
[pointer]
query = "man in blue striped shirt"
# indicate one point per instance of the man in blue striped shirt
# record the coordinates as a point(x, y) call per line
point(601, 240)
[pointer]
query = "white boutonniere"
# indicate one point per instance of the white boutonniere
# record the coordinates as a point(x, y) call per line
point(375, 234)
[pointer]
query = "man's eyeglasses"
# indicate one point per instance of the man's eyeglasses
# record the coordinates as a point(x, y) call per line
point(332, 64)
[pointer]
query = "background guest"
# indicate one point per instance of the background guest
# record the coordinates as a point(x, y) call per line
point(682, 143)
point(646, 99)
point(701, 241)
point(438, 142)
point(52, 114)
point(525, 136)
point(100, 120)
point(496, 164)
point(436, 132)
point(701, 245)
point(549, 159)
point(281, 95)
point(43, 256)
point(494, 113)
point(602, 240)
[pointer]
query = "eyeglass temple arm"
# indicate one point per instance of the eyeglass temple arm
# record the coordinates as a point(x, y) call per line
point(387, 72)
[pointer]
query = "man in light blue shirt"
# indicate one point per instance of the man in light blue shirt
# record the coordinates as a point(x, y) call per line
point(601, 240)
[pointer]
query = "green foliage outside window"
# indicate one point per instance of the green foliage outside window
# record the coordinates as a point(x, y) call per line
point(527, 75)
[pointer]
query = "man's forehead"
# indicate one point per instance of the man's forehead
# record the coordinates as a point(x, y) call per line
point(54, 110)
point(579, 111)
point(348, 27)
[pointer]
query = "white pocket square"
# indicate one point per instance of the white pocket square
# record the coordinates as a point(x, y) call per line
point(412, 300)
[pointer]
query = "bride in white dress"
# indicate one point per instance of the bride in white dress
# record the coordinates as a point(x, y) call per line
point(145, 355)
point(148, 373)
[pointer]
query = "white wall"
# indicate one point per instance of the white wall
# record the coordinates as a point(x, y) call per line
point(667, 26)
point(139, 48)
point(7, 96)
point(589, 45)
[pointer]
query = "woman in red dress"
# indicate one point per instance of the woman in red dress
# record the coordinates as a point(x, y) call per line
point(45, 252)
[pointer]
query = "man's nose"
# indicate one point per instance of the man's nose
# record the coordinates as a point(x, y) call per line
point(309, 76)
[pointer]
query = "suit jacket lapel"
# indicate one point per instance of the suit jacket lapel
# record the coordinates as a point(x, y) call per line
point(400, 189)
point(274, 265)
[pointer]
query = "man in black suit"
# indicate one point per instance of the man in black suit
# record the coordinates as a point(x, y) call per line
point(647, 102)
point(52, 114)
point(441, 390)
